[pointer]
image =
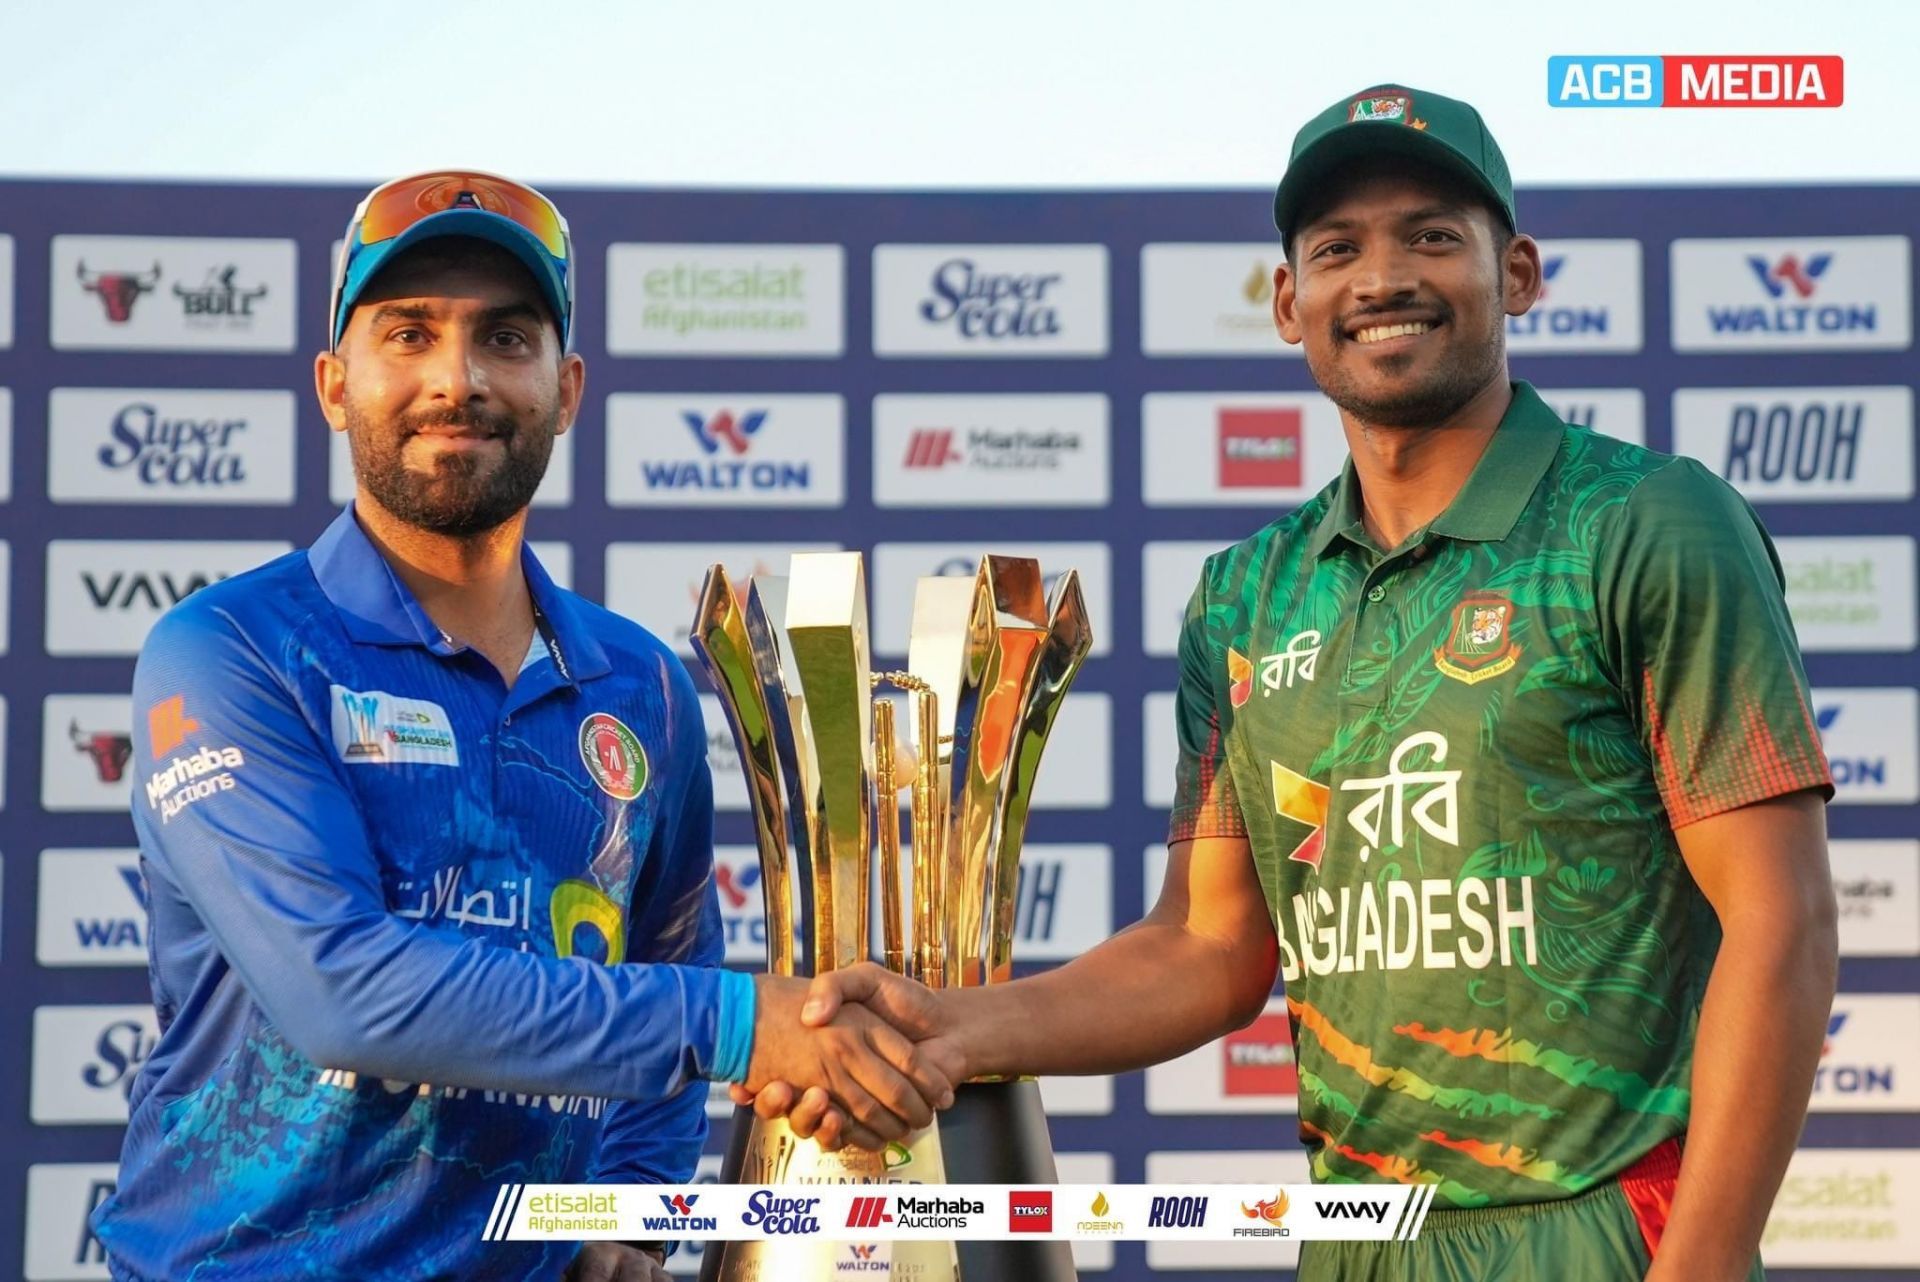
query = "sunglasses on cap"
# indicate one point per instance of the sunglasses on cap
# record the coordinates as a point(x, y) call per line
point(400, 214)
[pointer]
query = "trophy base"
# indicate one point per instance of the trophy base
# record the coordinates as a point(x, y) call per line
point(770, 1153)
point(996, 1133)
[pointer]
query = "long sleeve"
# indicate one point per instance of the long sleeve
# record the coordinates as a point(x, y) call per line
point(243, 812)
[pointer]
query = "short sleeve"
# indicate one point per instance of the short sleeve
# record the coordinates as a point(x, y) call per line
point(1204, 803)
point(1695, 614)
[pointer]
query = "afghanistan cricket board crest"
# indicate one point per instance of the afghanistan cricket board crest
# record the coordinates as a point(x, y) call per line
point(1479, 641)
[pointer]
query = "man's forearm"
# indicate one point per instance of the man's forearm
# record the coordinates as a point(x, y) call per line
point(1150, 993)
point(1761, 1028)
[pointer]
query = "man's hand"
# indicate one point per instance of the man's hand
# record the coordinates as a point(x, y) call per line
point(908, 1009)
point(882, 1083)
point(614, 1262)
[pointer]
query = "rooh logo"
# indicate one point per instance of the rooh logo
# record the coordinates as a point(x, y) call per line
point(109, 750)
point(712, 430)
point(1789, 272)
point(118, 290)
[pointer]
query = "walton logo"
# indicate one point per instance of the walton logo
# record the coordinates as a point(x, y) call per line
point(1835, 1023)
point(1776, 278)
point(109, 750)
point(118, 290)
point(733, 889)
point(679, 1203)
point(711, 430)
point(932, 447)
point(680, 1217)
point(1549, 268)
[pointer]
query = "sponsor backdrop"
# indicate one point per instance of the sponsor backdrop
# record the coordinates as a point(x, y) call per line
point(1091, 378)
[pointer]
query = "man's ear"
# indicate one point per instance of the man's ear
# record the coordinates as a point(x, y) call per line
point(330, 385)
point(1522, 275)
point(573, 386)
point(1285, 318)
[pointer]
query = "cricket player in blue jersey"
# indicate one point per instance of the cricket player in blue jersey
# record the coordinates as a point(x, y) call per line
point(428, 839)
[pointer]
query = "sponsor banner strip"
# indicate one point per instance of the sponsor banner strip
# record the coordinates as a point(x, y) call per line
point(886, 1212)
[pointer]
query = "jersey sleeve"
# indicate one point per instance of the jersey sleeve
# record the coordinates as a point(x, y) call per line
point(658, 1141)
point(236, 797)
point(1694, 609)
point(1204, 804)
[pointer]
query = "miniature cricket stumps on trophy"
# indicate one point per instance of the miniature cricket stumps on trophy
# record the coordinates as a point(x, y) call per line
point(988, 665)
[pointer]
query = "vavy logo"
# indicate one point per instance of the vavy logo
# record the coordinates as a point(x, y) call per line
point(104, 596)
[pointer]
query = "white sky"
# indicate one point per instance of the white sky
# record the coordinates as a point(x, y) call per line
point(964, 93)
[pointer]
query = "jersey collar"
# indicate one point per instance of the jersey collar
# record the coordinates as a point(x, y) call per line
point(1489, 504)
point(376, 608)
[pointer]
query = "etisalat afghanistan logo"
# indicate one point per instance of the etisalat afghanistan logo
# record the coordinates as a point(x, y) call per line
point(1479, 644)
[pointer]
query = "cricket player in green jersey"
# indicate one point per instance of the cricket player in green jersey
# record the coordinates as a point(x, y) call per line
point(1499, 751)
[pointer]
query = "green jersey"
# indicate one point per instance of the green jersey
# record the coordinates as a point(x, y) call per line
point(1460, 765)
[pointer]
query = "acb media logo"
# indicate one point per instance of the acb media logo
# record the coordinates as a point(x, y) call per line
point(1697, 80)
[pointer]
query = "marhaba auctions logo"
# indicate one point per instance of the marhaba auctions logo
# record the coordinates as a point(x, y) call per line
point(988, 449)
point(174, 451)
point(992, 305)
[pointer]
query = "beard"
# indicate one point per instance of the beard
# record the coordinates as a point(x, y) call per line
point(1463, 370)
point(468, 492)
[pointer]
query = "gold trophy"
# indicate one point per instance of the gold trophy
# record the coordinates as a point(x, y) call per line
point(988, 666)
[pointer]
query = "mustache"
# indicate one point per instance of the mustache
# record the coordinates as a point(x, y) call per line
point(1436, 311)
point(470, 417)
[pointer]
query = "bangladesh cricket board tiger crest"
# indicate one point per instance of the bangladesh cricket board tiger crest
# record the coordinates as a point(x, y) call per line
point(1479, 642)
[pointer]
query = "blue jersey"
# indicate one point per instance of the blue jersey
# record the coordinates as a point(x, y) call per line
point(414, 933)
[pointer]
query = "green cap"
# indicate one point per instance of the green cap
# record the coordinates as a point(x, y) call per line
point(1393, 120)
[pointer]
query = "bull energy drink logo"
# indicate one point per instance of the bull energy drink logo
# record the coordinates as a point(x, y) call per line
point(118, 291)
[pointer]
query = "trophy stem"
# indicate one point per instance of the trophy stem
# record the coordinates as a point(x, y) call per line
point(887, 817)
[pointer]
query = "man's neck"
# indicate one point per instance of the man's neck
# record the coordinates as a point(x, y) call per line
point(1408, 475)
point(472, 588)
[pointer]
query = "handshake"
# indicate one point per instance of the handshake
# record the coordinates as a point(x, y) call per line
point(857, 1056)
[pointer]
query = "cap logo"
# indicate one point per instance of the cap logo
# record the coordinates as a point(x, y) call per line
point(1380, 107)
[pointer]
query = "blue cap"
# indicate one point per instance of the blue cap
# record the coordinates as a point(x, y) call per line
point(361, 263)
